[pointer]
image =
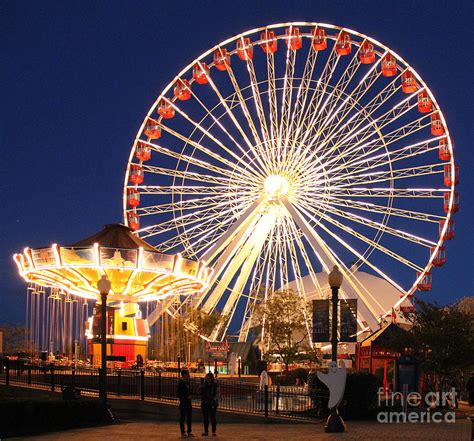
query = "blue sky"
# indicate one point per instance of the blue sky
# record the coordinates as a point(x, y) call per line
point(78, 77)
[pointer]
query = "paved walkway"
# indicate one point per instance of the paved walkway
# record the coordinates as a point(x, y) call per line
point(363, 431)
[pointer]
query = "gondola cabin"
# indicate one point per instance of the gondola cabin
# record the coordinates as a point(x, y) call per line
point(343, 44)
point(182, 90)
point(425, 282)
point(319, 42)
point(133, 221)
point(143, 152)
point(293, 38)
point(439, 258)
point(152, 129)
point(424, 102)
point(449, 179)
point(449, 233)
point(165, 109)
point(221, 59)
point(443, 152)
point(437, 128)
point(389, 66)
point(408, 82)
point(136, 174)
point(201, 73)
point(133, 197)
point(269, 42)
point(455, 207)
point(244, 49)
point(367, 53)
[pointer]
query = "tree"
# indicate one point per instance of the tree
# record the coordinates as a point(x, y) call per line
point(14, 338)
point(441, 339)
point(284, 330)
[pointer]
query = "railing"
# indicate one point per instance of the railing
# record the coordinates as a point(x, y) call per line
point(235, 395)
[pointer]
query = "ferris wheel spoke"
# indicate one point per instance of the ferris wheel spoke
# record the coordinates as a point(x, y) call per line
point(334, 96)
point(273, 103)
point(180, 190)
point(336, 132)
point(367, 192)
point(363, 162)
point(351, 286)
point(251, 147)
point(375, 208)
point(195, 161)
point(379, 226)
point(390, 175)
point(319, 92)
point(368, 241)
point(287, 92)
point(190, 176)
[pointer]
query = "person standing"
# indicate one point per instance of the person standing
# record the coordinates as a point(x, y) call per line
point(209, 404)
point(185, 406)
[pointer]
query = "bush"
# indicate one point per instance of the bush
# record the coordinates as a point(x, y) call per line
point(26, 417)
point(360, 397)
point(284, 380)
point(299, 373)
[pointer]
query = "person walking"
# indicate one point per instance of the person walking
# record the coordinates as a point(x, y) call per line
point(185, 406)
point(209, 402)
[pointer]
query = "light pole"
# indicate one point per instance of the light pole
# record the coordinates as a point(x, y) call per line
point(104, 287)
point(335, 278)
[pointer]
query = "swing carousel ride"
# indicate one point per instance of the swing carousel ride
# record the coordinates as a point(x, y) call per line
point(272, 157)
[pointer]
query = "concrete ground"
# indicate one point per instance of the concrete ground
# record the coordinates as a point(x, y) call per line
point(363, 431)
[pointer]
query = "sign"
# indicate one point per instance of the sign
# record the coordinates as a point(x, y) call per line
point(218, 349)
point(320, 321)
point(348, 314)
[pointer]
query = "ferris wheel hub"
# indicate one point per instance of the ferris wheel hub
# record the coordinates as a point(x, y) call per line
point(275, 186)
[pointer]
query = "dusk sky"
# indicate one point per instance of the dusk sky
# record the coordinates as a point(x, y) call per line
point(78, 78)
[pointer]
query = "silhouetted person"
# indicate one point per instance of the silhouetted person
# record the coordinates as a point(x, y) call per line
point(185, 406)
point(209, 403)
point(139, 361)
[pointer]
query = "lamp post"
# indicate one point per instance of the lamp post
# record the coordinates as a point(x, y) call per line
point(335, 278)
point(104, 287)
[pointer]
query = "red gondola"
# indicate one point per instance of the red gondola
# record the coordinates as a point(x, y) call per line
point(425, 283)
point(201, 73)
point(455, 207)
point(133, 197)
point(424, 102)
point(407, 309)
point(440, 257)
point(343, 43)
point(244, 49)
point(319, 39)
point(221, 59)
point(165, 109)
point(152, 129)
point(444, 153)
point(133, 221)
point(437, 127)
point(367, 53)
point(142, 152)
point(182, 90)
point(136, 174)
point(270, 42)
point(408, 82)
point(448, 178)
point(389, 66)
point(449, 234)
point(293, 38)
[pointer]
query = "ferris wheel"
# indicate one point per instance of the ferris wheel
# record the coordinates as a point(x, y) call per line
point(288, 149)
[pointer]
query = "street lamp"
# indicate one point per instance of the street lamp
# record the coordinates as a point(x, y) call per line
point(335, 278)
point(104, 287)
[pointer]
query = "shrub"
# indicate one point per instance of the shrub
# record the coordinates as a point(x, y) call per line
point(299, 373)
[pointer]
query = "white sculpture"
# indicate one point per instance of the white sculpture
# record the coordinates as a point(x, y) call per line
point(335, 380)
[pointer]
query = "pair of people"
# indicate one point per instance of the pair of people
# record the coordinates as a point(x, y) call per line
point(209, 404)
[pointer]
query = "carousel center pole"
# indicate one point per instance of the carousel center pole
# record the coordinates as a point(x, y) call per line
point(104, 287)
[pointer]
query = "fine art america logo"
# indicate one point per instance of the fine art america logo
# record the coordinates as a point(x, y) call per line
point(415, 408)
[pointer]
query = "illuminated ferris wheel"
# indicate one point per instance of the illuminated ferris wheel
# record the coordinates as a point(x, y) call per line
point(288, 149)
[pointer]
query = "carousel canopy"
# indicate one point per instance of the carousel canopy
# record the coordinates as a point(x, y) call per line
point(137, 271)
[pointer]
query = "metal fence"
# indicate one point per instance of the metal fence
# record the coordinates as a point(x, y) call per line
point(234, 394)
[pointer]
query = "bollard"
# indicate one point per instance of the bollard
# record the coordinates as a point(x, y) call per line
point(266, 400)
point(277, 399)
point(29, 374)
